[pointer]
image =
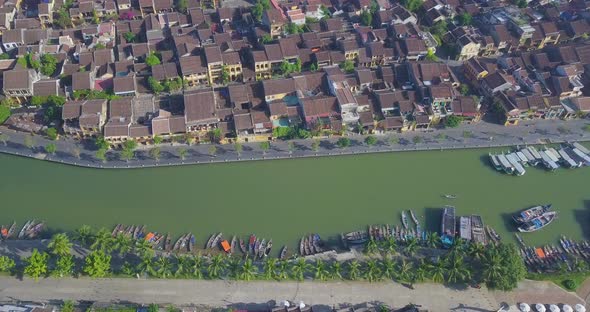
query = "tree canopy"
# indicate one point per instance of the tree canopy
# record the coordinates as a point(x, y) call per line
point(97, 264)
point(453, 121)
point(36, 264)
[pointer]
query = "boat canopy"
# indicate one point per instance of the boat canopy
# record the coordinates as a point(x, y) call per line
point(225, 245)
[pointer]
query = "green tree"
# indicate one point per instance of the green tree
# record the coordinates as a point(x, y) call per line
point(465, 19)
point(371, 247)
point(48, 64)
point(29, 141)
point(372, 271)
point(336, 270)
point(291, 147)
point(101, 143)
point(299, 268)
point(68, 306)
point(292, 28)
point(197, 266)
point(181, 5)
point(412, 5)
point(257, 11)
point(388, 269)
point(153, 308)
point(183, 264)
point(233, 268)
point(36, 264)
point(266, 39)
point(212, 150)
point(347, 66)
point(97, 264)
point(155, 85)
point(320, 270)
point(457, 270)
point(64, 266)
point(152, 59)
point(157, 139)
point(411, 246)
point(269, 268)
point(366, 18)
point(430, 56)
point(4, 138)
point(225, 75)
point(404, 271)
point(101, 155)
point(264, 146)
point(283, 270)
point(437, 272)
point(103, 240)
point(4, 56)
point(343, 142)
point(143, 248)
point(370, 140)
point(50, 148)
point(464, 89)
point(60, 245)
point(155, 153)
point(129, 37)
point(51, 133)
point(146, 265)
point(182, 153)
point(123, 243)
point(164, 267)
point(433, 240)
point(354, 269)
point(84, 235)
point(6, 264)
point(248, 270)
point(453, 121)
point(216, 266)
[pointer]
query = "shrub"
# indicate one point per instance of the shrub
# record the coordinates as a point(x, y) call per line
point(570, 284)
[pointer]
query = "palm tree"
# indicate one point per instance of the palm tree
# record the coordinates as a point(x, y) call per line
point(233, 267)
point(404, 270)
point(354, 269)
point(216, 266)
point(196, 266)
point(437, 272)
point(283, 270)
point(321, 272)
point(182, 265)
point(456, 270)
point(103, 241)
point(143, 247)
point(372, 271)
point(164, 267)
point(60, 245)
point(476, 250)
point(269, 267)
point(84, 235)
point(458, 248)
point(123, 244)
point(371, 246)
point(391, 245)
point(492, 267)
point(146, 266)
point(248, 270)
point(336, 270)
point(388, 268)
point(432, 240)
point(411, 246)
point(299, 269)
point(421, 270)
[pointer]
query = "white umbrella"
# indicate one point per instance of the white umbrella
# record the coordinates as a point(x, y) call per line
point(580, 308)
point(524, 307)
point(286, 303)
point(540, 307)
point(301, 305)
point(567, 308)
point(554, 308)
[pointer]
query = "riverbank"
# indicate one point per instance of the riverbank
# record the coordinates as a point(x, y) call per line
point(481, 135)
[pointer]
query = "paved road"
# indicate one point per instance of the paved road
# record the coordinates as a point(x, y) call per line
point(260, 294)
point(467, 136)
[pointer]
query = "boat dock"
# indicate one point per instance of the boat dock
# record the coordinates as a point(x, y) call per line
point(478, 234)
point(465, 228)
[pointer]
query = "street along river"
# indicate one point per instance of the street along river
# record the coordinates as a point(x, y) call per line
point(285, 199)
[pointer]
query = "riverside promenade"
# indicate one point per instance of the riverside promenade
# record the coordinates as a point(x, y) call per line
point(257, 295)
point(480, 135)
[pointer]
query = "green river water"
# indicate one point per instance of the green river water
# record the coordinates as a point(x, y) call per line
point(285, 199)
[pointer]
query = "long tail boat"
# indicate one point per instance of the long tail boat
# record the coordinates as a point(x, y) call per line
point(210, 241)
point(251, 242)
point(11, 231)
point(22, 232)
point(234, 241)
point(283, 254)
point(191, 243)
point(116, 230)
point(35, 230)
point(268, 248)
point(168, 242)
point(243, 246)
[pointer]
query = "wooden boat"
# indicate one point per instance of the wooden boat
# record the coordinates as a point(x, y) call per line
point(11, 231)
point(116, 230)
point(168, 242)
point(448, 226)
point(191, 243)
point(243, 246)
point(260, 249)
point(135, 233)
point(519, 239)
point(404, 219)
point(3, 232)
point(22, 232)
point(233, 244)
point(256, 246)
point(388, 229)
point(283, 253)
point(538, 222)
point(268, 248)
point(185, 242)
point(217, 240)
point(302, 246)
point(308, 250)
point(450, 196)
point(530, 213)
point(316, 241)
point(210, 241)
point(494, 237)
point(35, 230)
point(251, 242)
point(178, 242)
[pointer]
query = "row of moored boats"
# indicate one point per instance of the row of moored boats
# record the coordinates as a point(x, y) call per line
point(310, 245)
point(552, 257)
point(30, 230)
point(571, 155)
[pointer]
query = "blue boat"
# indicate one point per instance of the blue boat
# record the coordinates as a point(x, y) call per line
point(448, 224)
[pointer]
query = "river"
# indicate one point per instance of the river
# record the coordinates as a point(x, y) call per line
point(284, 199)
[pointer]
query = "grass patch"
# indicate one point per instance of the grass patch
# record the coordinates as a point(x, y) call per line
point(560, 279)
